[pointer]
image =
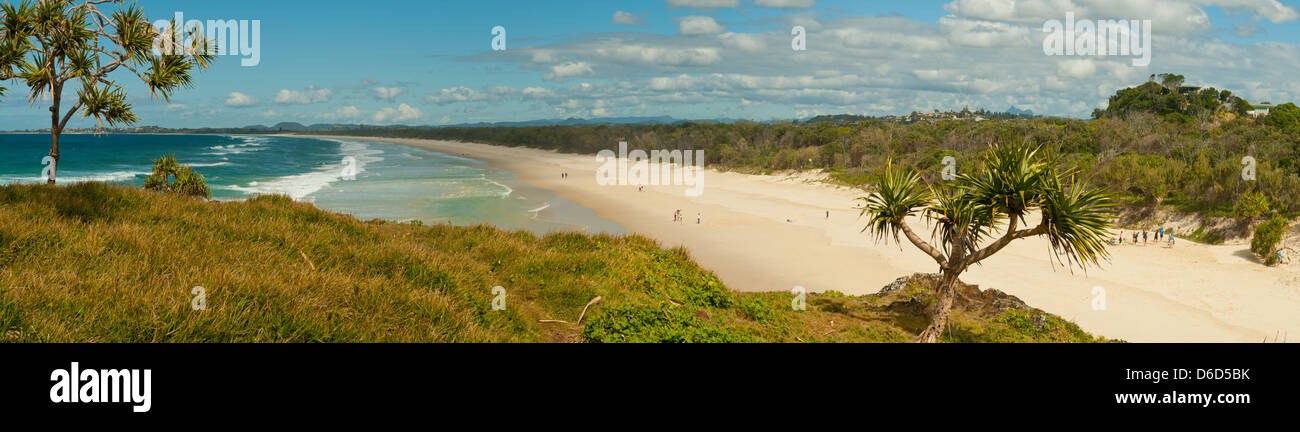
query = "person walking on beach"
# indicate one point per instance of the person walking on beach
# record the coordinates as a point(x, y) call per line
point(698, 217)
point(1135, 238)
point(828, 214)
point(1144, 237)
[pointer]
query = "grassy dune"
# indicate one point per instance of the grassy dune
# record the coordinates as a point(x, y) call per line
point(98, 263)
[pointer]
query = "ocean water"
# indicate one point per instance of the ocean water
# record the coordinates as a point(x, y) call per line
point(391, 181)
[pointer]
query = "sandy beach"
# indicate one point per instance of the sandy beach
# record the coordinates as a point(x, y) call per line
point(772, 233)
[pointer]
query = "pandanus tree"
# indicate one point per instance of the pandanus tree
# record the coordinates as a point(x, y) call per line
point(53, 45)
point(172, 177)
point(975, 216)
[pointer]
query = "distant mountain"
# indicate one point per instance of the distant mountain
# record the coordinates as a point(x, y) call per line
point(1017, 111)
point(836, 118)
point(289, 126)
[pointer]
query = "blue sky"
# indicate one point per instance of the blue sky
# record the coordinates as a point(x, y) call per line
point(430, 62)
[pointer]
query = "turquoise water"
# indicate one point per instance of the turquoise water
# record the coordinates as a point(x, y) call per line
point(392, 182)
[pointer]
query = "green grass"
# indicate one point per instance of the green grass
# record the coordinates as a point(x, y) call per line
point(98, 263)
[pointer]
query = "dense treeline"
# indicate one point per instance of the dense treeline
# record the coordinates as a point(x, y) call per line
point(1143, 158)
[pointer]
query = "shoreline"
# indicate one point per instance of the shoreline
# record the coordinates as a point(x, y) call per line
point(1192, 292)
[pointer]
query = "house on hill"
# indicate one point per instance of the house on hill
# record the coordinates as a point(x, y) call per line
point(1260, 109)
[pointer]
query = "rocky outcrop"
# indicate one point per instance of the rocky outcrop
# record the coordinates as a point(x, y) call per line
point(989, 302)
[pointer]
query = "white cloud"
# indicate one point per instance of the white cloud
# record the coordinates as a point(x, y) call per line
point(698, 25)
point(1018, 11)
point(311, 95)
point(1271, 10)
point(537, 93)
point(570, 69)
point(1077, 68)
point(749, 43)
point(786, 4)
point(387, 93)
point(1180, 17)
point(668, 56)
point(977, 33)
point(456, 94)
point(403, 112)
point(237, 99)
point(545, 56)
point(626, 18)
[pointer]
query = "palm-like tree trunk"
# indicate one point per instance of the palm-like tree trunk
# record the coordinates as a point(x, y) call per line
point(946, 294)
point(55, 131)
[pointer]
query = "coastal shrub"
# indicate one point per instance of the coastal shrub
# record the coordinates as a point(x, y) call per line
point(1285, 116)
point(171, 177)
point(1251, 205)
point(760, 309)
point(1019, 326)
point(672, 273)
point(190, 183)
point(1266, 238)
point(666, 323)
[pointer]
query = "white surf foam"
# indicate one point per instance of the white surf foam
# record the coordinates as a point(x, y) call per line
point(247, 144)
point(109, 177)
point(507, 189)
point(300, 186)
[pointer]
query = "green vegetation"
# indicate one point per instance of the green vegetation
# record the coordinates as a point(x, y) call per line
point(1267, 237)
point(970, 210)
point(1171, 101)
point(49, 44)
point(1285, 116)
point(1021, 325)
point(1251, 205)
point(98, 263)
point(172, 177)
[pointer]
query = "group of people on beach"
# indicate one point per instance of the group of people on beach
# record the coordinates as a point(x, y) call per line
point(677, 217)
point(1159, 234)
